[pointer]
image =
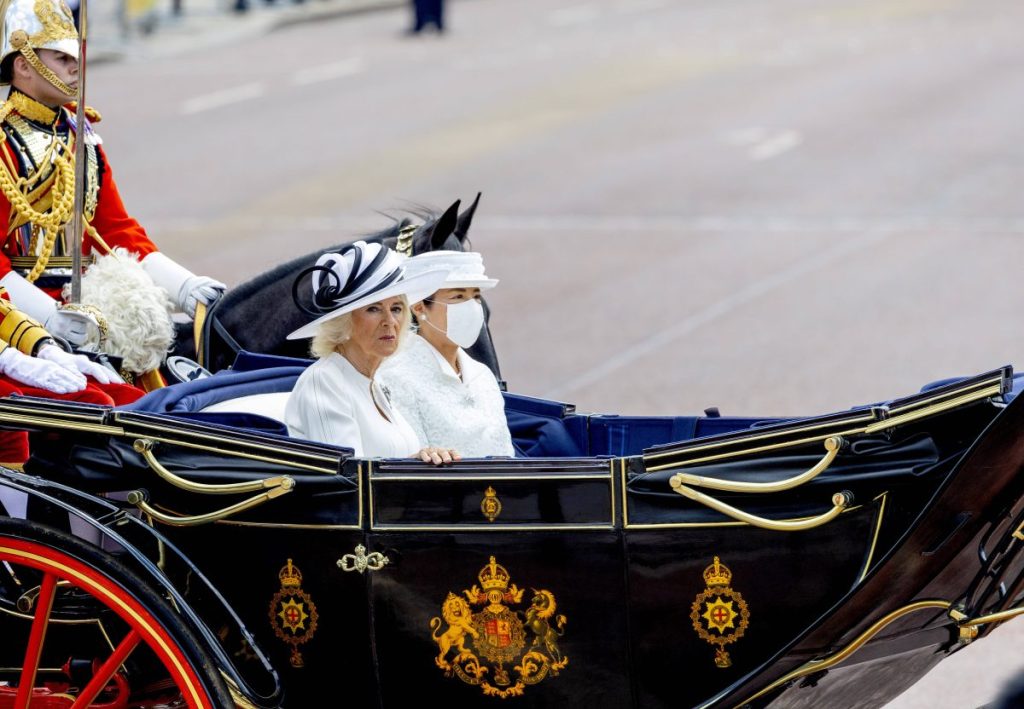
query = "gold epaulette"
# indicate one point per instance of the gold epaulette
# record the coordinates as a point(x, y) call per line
point(19, 330)
point(91, 113)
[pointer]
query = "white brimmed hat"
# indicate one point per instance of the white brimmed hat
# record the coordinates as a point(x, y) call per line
point(361, 274)
point(465, 268)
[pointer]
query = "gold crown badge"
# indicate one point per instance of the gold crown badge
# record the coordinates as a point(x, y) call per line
point(717, 574)
point(290, 575)
point(494, 576)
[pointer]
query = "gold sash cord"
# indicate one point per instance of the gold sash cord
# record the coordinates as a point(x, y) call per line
point(61, 205)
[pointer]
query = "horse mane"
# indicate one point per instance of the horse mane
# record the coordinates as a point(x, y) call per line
point(412, 213)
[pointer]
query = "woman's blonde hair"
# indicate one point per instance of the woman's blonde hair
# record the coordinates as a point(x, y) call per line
point(338, 330)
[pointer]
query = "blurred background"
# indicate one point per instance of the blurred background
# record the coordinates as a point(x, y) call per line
point(773, 208)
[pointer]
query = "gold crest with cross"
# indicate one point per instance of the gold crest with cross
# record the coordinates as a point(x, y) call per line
point(719, 614)
point(292, 612)
point(498, 637)
point(490, 506)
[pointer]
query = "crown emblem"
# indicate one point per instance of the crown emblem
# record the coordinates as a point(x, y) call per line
point(292, 613)
point(717, 574)
point(494, 576)
point(490, 506)
point(719, 614)
point(290, 576)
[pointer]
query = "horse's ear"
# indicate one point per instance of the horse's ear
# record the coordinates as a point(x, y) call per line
point(444, 226)
point(466, 219)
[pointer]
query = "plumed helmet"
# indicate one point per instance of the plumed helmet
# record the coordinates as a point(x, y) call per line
point(29, 25)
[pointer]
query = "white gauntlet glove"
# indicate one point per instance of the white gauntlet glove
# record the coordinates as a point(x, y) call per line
point(185, 288)
point(78, 363)
point(199, 289)
point(79, 328)
point(39, 373)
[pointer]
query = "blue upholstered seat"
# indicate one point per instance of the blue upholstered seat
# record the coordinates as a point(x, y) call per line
point(187, 400)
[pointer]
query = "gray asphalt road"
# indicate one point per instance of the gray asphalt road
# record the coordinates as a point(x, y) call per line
point(774, 208)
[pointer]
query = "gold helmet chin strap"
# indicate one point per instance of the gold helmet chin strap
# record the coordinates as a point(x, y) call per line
point(19, 41)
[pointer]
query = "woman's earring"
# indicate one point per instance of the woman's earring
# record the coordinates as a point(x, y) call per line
point(421, 317)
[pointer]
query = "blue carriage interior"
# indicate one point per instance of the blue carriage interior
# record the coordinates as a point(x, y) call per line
point(540, 428)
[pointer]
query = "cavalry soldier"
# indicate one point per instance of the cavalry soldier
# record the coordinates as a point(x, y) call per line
point(123, 315)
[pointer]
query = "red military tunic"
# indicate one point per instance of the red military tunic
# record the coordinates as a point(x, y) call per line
point(108, 215)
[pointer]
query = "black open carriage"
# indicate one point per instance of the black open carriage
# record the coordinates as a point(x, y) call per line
point(186, 552)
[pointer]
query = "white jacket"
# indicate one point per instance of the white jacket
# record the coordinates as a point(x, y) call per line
point(466, 414)
point(333, 403)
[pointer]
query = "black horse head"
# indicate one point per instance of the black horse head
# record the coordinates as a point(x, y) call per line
point(257, 315)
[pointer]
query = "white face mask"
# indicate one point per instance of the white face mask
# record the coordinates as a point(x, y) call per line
point(465, 321)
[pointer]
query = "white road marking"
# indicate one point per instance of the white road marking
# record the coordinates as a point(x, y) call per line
point(746, 136)
point(715, 311)
point(328, 72)
point(632, 7)
point(219, 99)
point(775, 146)
point(575, 15)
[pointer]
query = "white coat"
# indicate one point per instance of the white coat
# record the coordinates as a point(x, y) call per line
point(467, 413)
point(332, 402)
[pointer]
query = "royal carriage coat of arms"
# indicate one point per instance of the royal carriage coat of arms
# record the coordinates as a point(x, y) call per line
point(498, 636)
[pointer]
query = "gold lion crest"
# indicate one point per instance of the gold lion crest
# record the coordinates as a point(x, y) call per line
point(292, 612)
point(497, 640)
point(719, 614)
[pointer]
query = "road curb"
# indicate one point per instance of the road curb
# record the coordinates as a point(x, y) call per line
point(201, 33)
point(331, 12)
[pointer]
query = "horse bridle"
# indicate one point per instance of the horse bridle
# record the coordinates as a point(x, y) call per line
point(404, 243)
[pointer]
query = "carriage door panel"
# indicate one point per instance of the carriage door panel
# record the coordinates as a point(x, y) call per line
point(711, 599)
point(282, 576)
point(505, 580)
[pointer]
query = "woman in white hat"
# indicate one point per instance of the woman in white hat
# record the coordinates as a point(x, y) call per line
point(362, 297)
point(449, 398)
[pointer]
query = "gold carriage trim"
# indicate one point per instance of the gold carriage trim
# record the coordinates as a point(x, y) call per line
point(292, 613)
point(491, 647)
point(719, 614)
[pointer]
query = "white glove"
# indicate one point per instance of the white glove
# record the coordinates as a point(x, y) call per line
point(79, 328)
point(199, 289)
point(39, 373)
point(78, 363)
point(28, 297)
point(183, 286)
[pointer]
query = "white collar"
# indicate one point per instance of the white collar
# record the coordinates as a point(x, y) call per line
point(349, 369)
point(379, 394)
point(445, 365)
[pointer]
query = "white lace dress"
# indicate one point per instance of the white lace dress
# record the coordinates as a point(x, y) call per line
point(466, 414)
point(332, 402)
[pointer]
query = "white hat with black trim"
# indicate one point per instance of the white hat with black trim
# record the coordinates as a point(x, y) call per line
point(465, 268)
point(359, 275)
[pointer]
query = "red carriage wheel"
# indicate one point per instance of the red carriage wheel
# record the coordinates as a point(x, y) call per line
point(50, 563)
